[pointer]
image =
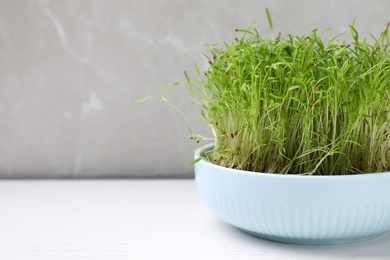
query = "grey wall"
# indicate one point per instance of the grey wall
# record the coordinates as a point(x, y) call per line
point(69, 71)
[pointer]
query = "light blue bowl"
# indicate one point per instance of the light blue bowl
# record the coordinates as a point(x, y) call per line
point(294, 208)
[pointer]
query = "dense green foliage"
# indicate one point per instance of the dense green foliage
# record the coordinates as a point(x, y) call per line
point(297, 105)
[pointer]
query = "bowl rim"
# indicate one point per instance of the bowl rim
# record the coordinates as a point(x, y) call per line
point(361, 177)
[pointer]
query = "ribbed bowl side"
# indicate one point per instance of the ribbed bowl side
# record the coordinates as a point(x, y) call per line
point(298, 209)
point(301, 223)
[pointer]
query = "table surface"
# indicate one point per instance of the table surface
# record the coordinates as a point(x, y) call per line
point(137, 219)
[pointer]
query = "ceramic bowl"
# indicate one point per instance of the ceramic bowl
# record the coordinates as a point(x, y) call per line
point(295, 208)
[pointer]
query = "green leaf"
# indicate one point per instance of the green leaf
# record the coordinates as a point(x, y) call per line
point(229, 67)
point(269, 18)
point(195, 161)
point(146, 98)
point(354, 32)
point(292, 88)
point(376, 102)
point(169, 87)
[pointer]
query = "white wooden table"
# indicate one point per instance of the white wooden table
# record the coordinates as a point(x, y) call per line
point(136, 219)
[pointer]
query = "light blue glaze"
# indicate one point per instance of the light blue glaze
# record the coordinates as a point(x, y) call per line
point(297, 209)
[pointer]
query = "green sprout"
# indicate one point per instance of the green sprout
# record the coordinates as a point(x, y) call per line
point(298, 105)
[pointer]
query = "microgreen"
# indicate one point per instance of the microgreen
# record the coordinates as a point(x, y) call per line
point(298, 105)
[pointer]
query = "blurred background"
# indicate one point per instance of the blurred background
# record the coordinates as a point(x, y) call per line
point(70, 71)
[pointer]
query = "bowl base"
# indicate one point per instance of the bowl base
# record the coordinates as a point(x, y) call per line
point(310, 241)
